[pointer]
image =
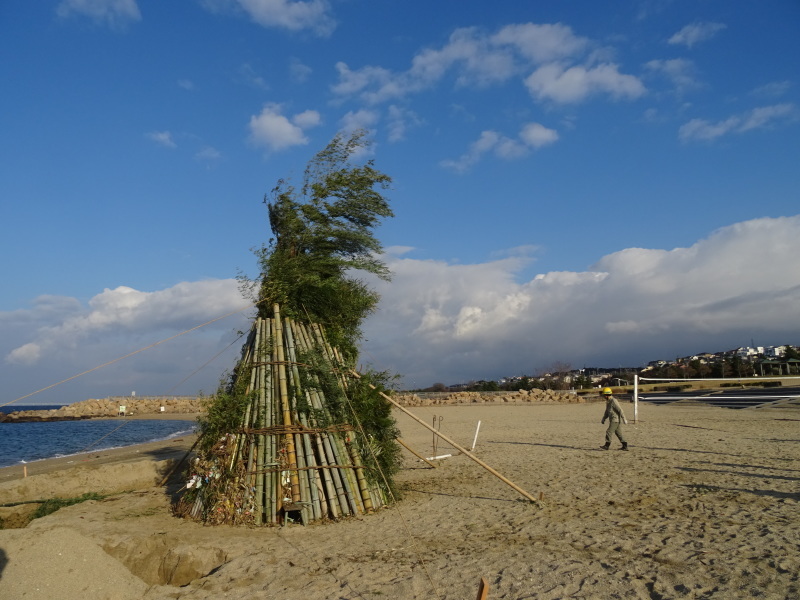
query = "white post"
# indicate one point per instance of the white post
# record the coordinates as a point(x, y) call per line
point(636, 398)
point(475, 439)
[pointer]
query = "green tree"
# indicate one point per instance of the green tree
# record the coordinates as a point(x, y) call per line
point(791, 352)
point(322, 237)
point(582, 382)
point(489, 386)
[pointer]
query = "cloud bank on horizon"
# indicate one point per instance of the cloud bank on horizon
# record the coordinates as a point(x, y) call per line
point(450, 322)
point(455, 323)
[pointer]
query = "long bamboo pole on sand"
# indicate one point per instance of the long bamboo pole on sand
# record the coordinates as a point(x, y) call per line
point(464, 451)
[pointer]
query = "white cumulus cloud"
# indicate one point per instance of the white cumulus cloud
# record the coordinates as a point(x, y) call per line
point(680, 71)
point(695, 33)
point(163, 138)
point(115, 13)
point(275, 131)
point(314, 15)
point(574, 84)
point(758, 118)
point(537, 135)
point(549, 58)
point(531, 136)
point(450, 323)
point(126, 309)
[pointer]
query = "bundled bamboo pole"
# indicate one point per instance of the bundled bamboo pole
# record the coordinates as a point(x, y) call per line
point(261, 438)
point(363, 486)
point(291, 455)
point(311, 473)
point(273, 389)
point(329, 481)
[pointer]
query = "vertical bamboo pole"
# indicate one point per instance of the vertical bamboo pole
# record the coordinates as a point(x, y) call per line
point(271, 387)
point(363, 487)
point(332, 459)
point(259, 422)
point(330, 497)
point(246, 359)
point(287, 416)
point(311, 473)
point(243, 442)
point(348, 475)
point(306, 512)
point(305, 492)
point(344, 480)
point(268, 452)
point(327, 477)
point(250, 419)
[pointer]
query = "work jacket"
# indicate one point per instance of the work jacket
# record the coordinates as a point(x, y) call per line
point(613, 411)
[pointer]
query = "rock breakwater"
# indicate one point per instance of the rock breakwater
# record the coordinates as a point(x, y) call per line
point(111, 407)
point(518, 397)
point(172, 405)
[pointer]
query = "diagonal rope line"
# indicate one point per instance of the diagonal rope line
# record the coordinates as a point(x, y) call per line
point(124, 423)
point(100, 439)
point(204, 365)
point(111, 362)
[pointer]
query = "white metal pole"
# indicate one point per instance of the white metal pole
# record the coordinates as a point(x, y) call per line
point(636, 398)
point(475, 439)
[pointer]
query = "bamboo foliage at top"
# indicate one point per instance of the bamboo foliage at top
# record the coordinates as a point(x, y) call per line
point(288, 459)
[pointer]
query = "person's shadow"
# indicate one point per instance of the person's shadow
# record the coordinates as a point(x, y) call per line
point(3, 561)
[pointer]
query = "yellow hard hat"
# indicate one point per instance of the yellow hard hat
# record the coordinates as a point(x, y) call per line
point(607, 392)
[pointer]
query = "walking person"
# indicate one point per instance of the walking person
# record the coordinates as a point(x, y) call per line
point(615, 418)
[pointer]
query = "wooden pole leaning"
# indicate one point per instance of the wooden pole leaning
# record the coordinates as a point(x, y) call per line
point(414, 452)
point(464, 451)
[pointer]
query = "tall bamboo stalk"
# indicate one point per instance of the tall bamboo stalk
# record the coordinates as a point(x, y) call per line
point(309, 459)
point(285, 404)
point(260, 446)
point(363, 486)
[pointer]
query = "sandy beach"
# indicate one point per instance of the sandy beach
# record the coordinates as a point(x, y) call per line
point(705, 505)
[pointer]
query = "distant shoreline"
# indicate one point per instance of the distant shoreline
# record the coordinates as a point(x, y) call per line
point(171, 448)
point(137, 417)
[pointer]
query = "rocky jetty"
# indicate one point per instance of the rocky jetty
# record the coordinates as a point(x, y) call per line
point(519, 397)
point(110, 407)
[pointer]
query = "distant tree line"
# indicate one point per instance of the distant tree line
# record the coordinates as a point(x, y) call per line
point(561, 376)
point(728, 365)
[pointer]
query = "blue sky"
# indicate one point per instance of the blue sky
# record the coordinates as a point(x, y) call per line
point(572, 183)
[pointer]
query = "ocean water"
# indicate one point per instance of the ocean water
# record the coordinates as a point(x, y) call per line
point(25, 442)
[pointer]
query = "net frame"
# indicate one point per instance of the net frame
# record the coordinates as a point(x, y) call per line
point(638, 378)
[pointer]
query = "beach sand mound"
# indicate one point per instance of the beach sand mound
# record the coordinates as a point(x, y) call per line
point(60, 562)
point(705, 505)
point(101, 479)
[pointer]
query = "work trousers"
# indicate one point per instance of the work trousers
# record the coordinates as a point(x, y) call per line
point(614, 428)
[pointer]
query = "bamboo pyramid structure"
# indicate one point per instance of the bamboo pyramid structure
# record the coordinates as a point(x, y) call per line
point(286, 461)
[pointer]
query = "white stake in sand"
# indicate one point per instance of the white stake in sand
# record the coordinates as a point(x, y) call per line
point(475, 439)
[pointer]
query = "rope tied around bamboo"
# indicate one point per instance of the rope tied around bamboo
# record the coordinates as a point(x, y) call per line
point(284, 429)
point(283, 362)
point(283, 469)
